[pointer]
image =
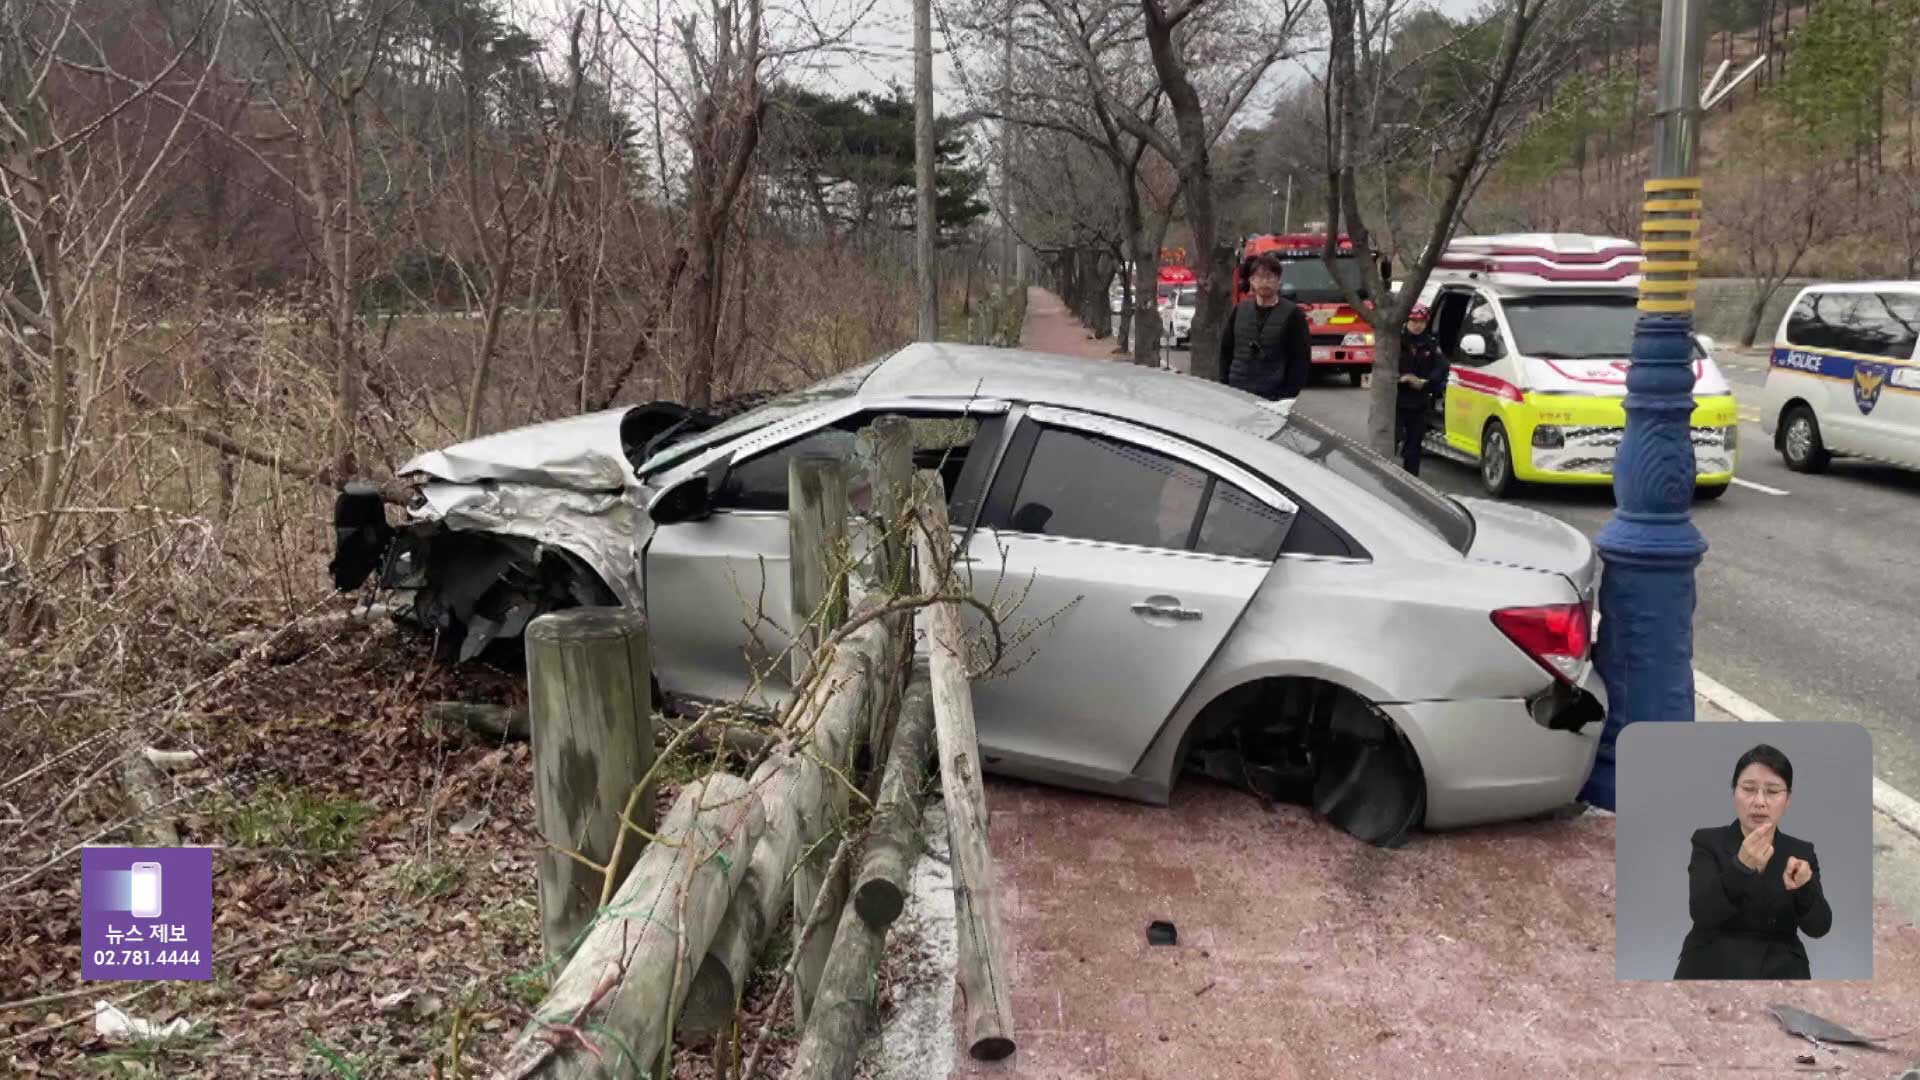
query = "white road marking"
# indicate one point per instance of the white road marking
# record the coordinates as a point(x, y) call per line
point(1904, 809)
point(1761, 487)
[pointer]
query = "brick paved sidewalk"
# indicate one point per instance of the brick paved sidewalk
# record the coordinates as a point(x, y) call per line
point(1051, 328)
point(1306, 954)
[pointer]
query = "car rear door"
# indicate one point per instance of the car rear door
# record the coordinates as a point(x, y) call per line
point(1130, 556)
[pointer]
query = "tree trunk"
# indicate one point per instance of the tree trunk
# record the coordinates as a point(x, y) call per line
point(1755, 312)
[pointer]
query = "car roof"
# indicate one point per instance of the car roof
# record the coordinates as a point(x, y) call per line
point(1864, 286)
point(1144, 395)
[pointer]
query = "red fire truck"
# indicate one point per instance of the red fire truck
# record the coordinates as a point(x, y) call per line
point(1342, 340)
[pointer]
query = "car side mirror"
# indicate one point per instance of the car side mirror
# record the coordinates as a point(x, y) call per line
point(1473, 345)
point(691, 499)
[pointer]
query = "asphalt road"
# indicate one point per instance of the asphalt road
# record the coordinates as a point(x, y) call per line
point(1809, 599)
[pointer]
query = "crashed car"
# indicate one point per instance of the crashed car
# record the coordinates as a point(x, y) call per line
point(1216, 585)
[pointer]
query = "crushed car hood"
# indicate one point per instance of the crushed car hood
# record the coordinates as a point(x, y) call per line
point(582, 453)
point(1517, 536)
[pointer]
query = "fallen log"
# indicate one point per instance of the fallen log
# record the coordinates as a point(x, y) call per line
point(798, 792)
point(981, 967)
point(844, 1000)
point(893, 838)
point(632, 967)
point(843, 1009)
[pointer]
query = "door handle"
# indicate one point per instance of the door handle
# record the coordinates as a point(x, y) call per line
point(1167, 611)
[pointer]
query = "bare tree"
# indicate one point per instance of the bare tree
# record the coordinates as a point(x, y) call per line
point(1366, 91)
point(1773, 210)
point(1207, 69)
point(81, 145)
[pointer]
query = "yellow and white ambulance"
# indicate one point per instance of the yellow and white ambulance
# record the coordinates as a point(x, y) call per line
point(1539, 330)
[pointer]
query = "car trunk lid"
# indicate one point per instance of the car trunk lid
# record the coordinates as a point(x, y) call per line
point(1508, 535)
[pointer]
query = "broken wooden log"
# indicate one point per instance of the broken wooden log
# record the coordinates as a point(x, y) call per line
point(893, 838)
point(843, 1008)
point(590, 700)
point(373, 617)
point(785, 783)
point(884, 450)
point(797, 790)
point(982, 965)
point(499, 722)
point(611, 1009)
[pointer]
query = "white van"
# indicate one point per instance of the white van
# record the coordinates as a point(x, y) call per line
point(1843, 378)
point(1539, 330)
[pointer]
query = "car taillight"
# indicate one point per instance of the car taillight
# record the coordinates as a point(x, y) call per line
point(1556, 636)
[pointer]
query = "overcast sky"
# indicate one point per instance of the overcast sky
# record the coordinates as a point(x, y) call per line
point(885, 41)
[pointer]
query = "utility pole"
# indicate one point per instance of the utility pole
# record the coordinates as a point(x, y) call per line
point(1286, 218)
point(1651, 547)
point(1007, 276)
point(925, 223)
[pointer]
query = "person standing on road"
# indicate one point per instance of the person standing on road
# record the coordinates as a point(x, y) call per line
point(1264, 346)
point(1423, 380)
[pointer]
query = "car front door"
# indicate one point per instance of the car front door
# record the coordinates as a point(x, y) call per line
point(1477, 381)
point(1130, 555)
point(719, 590)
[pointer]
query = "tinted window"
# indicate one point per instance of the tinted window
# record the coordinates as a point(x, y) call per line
point(1378, 477)
point(1872, 324)
point(1313, 283)
point(1094, 488)
point(1239, 526)
point(1574, 327)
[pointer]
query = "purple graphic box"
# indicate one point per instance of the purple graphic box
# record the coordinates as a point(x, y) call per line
point(146, 913)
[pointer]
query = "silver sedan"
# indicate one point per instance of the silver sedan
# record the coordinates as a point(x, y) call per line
point(1209, 584)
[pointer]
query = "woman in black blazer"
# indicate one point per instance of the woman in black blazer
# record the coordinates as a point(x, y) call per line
point(1753, 889)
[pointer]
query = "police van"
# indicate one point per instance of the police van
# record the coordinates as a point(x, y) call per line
point(1843, 378)
point(1539, 330)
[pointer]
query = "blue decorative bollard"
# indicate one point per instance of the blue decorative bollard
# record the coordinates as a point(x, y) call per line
point(1650, 548)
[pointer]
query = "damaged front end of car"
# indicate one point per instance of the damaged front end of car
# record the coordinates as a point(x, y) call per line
point(502, 529)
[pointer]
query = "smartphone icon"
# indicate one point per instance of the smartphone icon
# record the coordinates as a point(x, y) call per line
point(146, 890)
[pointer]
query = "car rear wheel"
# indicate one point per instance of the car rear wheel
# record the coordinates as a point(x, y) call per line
point(1496, 462)
point(1800, 442)
point(1707, 492)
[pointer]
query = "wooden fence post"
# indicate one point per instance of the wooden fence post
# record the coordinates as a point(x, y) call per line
point(817, 512)
point(816, 546)
point(590, 705)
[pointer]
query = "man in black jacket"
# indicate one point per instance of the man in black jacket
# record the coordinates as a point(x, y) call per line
point(1264, 347)
point(1423, 380)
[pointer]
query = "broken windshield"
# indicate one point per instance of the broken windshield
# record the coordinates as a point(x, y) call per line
point(837, 388)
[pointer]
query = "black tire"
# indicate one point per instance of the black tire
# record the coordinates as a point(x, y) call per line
point(1709, 492)
point(1356, 376)
point(1800, 444)
point(1496, 462)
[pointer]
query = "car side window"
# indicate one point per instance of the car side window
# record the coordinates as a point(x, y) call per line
point(1482, 320)
point(940, 442)
point(1090, 487)
point(1238, 526)
point(760, 483)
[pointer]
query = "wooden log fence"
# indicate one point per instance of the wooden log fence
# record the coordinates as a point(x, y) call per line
point(674, 939)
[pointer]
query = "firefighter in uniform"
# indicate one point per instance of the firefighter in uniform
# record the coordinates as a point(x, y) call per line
point(1423, 380)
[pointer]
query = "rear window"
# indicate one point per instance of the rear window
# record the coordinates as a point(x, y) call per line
point(1418, 501)
point(1869, 323)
